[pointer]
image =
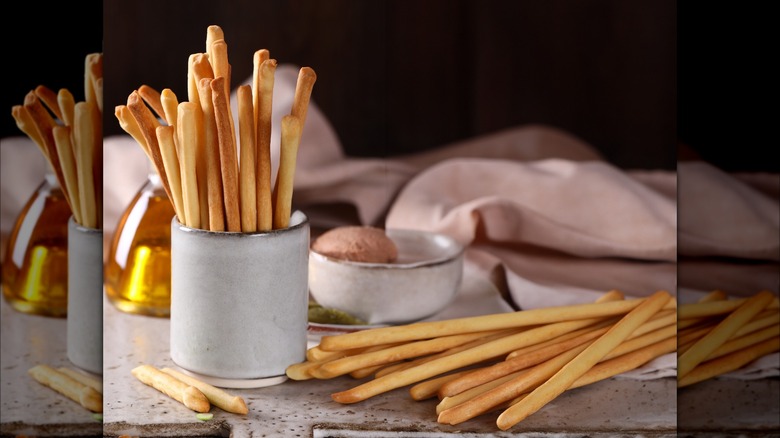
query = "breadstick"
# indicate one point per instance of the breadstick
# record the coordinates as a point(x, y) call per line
point(130, 125)
point(291, 138)
point(348, 364)
point(42, 123)
point(147, 125)
point(457, 360)
point(748, 340)
point(84, 143)
point(598, 327)
point(153, 99)
point(92, 382)
point(49, 98)
point(213, 167)
point(517, 363)
point(73, 389)
point(762, 320)
point(170, 105)
point(247, 180)
point(187, 134)
point(632, 343)
point(218, 58)
point(627, 362)
point(729, 362)
point(65, 154)
point(165, 136)
point(213, 33)
point(93, 68)
point(26, 124)
point(583, 362)
point(432, 329)
point(722, 332)
point(450, 351)
point(485, 397)
point(263, 101)
point(708, 308)
point(66, 102)
point(217, 397)
point(430, 388)
point(188, 395)
point(227, 153)
point(303, 89)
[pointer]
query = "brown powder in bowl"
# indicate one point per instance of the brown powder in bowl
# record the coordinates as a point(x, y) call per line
point(356, 243)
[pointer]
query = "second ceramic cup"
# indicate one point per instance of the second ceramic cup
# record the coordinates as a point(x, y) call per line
point(239, 302)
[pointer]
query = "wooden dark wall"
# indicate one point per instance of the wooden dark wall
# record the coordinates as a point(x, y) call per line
point(401, 76)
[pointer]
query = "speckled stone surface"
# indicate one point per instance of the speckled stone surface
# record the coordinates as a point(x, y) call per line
point(304, 408)
point(27, 407)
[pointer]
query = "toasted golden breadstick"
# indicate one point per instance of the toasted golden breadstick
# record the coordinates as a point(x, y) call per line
point(188, 138)
point(211, 150)
point(170, 105)
point(217, 397)
point(578, 366)
point(188, 395)
point(263, 101)
point(247, 180)
point(85, 143)
point(227, 153)
point(65, 154)
point(166, 136)
point(729, 362)
point(66, 103)
point(153, 99)
point(73, 389)
point(49, 98)
point(291, 138)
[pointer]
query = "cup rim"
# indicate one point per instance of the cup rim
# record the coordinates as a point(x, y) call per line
point(81, 228)
point(199, 231)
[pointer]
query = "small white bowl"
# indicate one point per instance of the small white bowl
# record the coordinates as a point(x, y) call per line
point(422, 281)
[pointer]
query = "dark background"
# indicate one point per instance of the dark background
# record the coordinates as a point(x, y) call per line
point(634, 79)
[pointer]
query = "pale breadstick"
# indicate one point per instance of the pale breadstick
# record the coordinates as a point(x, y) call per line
point(49, 98)
point(84, 144)
point(348, 364)
point(66, 102)
point(583, 362)
point(165, 136)
point(92, 382)
point(65, 153)
point(192, 81)
point(432, 329)
point(188, 138)
point(188, 395)
point(729, 362)
point(517, 363)
point(217, 397)
point(227, 153)
point(316, 353)
point(457, 360)
point(264, 84)
point(213, 167)
point(430, 388)
point(291, 139)
point(153, 99)
point(213, 33)
point(170, 105)
point(73, 389)
point(247, 180)
point(722, 332)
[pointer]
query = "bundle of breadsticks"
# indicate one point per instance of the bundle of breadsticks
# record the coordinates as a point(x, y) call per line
point(194, 147)
point(84, 389)
point(510, 362)
point(718, 335)
point(189, 391)
point(70, 135)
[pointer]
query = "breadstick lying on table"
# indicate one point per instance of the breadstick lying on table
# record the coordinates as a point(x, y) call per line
point(85, 395)
point(188, 395)
point(217, 397)
point(92, 382)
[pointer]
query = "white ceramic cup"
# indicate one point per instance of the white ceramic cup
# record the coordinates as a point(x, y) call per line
point(239, 301)
point(85, 297)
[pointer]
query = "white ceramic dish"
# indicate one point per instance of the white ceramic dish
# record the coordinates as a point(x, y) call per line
point(422, 281)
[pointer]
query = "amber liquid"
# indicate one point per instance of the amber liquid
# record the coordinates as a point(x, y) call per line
point(138, 270)
point(35, 267)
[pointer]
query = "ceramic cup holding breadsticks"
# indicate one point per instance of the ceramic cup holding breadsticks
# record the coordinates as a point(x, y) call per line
point(239, 251)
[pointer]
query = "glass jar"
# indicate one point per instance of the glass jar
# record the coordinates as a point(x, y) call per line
point(35, 267)
point(138, 266)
